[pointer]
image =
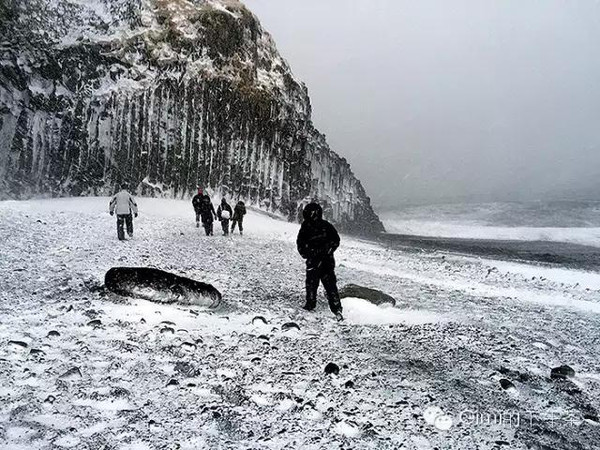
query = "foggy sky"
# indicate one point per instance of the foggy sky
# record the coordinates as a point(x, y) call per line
point(437, 100)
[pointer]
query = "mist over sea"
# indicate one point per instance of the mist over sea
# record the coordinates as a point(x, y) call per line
point(561, 221)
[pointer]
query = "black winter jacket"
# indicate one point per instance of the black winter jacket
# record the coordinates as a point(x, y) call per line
point(239, 212)
point(196, 201)
point(224, 207)
point(206, 208)
point(317, 240)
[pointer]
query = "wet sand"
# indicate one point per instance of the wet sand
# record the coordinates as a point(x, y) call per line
point(560, 253)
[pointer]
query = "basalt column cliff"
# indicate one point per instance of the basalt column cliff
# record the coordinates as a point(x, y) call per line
point(165, 95)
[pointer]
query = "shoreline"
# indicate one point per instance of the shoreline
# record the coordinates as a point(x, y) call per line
point(568, 255)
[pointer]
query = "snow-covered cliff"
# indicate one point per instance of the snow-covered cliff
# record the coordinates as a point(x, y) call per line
point(166, 95)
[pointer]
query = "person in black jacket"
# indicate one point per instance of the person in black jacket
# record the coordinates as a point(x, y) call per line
point(316, 242)
point(224, 213)
point(206, 211)
point(196, 202)
point(238, 217)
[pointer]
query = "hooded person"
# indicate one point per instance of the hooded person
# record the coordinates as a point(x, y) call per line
point(224, 213)
point(124, 205)
point(316, 243)
point(238, 217)
point(206, 210)
point(196, 203)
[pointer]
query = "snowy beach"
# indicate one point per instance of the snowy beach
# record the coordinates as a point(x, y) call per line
point(443, 160)
point(80, 368)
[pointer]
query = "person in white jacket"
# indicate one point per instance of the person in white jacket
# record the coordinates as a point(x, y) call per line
point(125, 206)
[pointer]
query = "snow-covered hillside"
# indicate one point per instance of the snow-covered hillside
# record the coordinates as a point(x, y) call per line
point(166, 95)
point(468, 338)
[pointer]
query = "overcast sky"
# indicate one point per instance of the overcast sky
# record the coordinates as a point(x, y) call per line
point(436, 100)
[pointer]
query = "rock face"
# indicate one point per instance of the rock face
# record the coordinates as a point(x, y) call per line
point(372, 295)
point(166, 95)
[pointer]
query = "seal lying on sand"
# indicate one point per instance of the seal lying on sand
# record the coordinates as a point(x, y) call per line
point(160, 286)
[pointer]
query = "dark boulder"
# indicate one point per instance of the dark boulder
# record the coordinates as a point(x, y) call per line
point(186, 369)
point(562, 372)
point(18, 344)
point(259, 320)
point(189, 346)
point(96, 323)
point(71, 374)
point(290, 326)
point(119, 392)
point(371, 295)
point(160, 286)
point(506, 384)
point(332, 369)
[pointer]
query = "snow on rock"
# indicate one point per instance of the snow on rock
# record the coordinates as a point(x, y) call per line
point(260, 400)
point(239, 384)
point(347, 430)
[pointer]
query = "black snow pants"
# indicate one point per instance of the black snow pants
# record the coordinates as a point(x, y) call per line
point(322, 270)
point(239, 222)
point(225, 226)
point(197, 219)
point(121, 220)
point(207, 223)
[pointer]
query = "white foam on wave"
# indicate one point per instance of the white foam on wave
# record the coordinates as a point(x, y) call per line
point(583, 236)
point(572, 222)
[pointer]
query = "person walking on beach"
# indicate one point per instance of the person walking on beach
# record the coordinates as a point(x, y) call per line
point(316, 243)
point(224, 213)
point(124, 205)
point(207, 214)
point(196, 202)
point(238, 217)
